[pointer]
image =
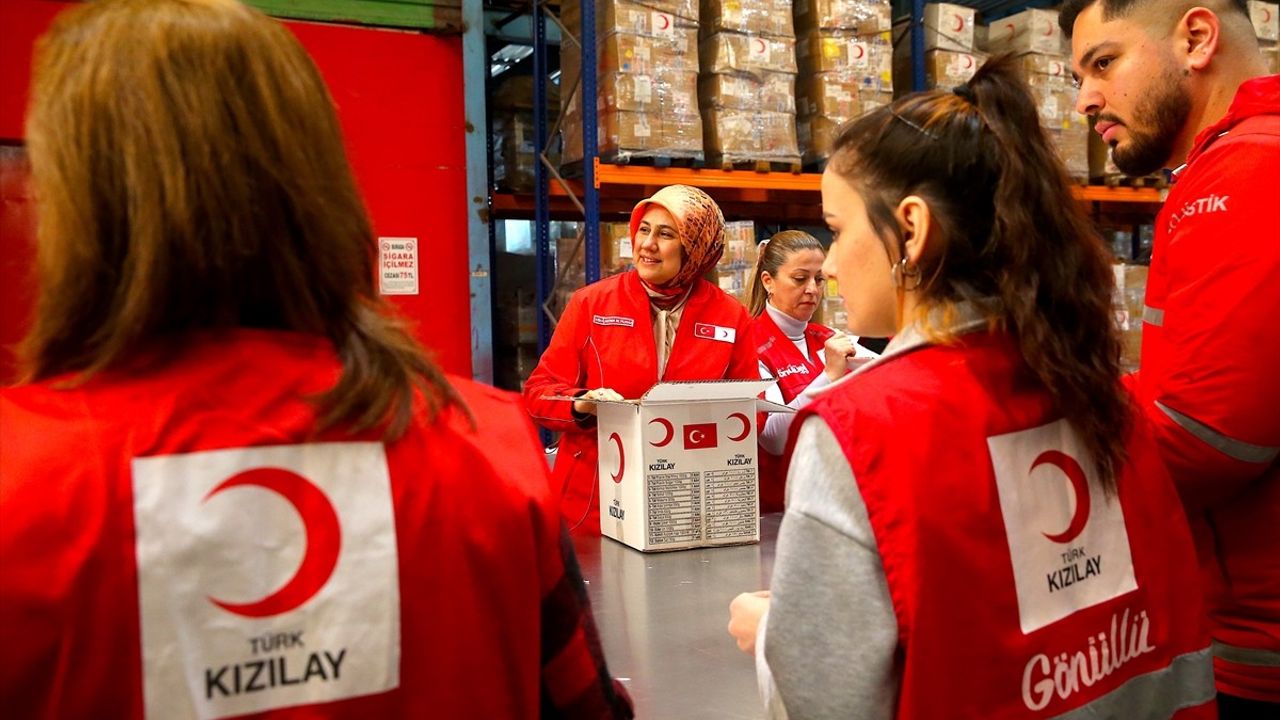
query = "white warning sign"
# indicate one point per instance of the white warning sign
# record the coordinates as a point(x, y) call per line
point(398, 266)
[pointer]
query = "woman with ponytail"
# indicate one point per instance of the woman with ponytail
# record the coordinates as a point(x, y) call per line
point(787, 289)
point(619, 337)
point(978, 524)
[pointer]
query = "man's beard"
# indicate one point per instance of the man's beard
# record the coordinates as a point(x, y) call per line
point(1162, 114)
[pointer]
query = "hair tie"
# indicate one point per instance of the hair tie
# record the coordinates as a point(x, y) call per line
point(965, 92)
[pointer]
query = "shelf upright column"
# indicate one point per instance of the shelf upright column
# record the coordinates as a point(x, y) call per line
point(542, 200)
point(590, 143)
point(917, 45)
point(475, 70)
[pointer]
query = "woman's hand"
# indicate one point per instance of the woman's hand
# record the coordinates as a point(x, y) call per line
point(744, 618)
point(836, 355)
point(586, 403)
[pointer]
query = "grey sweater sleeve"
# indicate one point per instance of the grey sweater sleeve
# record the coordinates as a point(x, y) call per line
point(831, 631)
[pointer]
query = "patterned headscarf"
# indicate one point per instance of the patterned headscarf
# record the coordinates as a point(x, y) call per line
point(700, 225)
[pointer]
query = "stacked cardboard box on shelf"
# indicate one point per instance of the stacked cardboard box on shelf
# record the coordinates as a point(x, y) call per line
point(950, 56)
point(1131, 292)
point(512, 132)
point(647, 81)
point(733, 272)
point(1266, 25)
point(1036, 37)
point(748, 79)
point(845, 57)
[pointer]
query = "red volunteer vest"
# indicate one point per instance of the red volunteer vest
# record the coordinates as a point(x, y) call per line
point(93, 480)
point(605, 339)
point(794, 372)
point(1012, 598)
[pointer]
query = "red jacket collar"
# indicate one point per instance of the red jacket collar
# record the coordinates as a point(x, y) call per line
point(1259, 96)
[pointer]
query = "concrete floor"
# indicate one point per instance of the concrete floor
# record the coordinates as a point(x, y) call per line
point(662, 620)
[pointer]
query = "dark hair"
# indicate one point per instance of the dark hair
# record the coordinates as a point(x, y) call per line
point(1010, 230)
point(1112, 9)
point(193, 176)
point(773, 254)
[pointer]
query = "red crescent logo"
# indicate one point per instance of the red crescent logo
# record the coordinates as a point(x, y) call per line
point(861, 51)
point(746, 427)
point(1266, 15)
point(1012, 29)
point(763, 46)
point(666, 21)
point(1079, 486)
point(671, 431)
point(323, 533)
point(968, 61)
point(959, 23)
point(1048, 30)
point(622, 461)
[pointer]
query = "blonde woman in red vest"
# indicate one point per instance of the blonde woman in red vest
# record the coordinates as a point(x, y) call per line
point(978, 523)
point(787, 290)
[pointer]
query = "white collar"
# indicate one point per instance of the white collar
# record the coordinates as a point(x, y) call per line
point(791, 327)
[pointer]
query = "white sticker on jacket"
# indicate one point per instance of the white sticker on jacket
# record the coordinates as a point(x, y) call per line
point(714, 332)
point(267, 578)
point(613, 321)
point(1067, 540)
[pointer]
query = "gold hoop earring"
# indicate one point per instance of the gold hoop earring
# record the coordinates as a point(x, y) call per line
point(905, 275)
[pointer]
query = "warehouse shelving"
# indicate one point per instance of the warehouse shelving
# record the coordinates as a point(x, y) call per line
point(606, 190)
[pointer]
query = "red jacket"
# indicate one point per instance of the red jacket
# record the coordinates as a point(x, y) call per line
point(1020, 589)
point(183, 542)
point(605, 339)
point(1209, 380)
point(794, 373)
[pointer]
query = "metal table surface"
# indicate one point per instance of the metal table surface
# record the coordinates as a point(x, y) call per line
point(662, 620)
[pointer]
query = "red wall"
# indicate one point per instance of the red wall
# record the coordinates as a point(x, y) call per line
point(399, 97)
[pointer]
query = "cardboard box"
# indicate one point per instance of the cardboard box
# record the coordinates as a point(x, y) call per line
point(678, 467)
point(772, 92)
point(681, 136)
point(665, 91)
point(1130, 300)
point(616, 251)
point(644, 17)
point(739, 244)
point(1266, 19)
point(840, 51)
point(730, 52)
point(948, 27)
point(628, 53)
point(1271, 55)
point(839, 97)
point(1033, 31)
point(743, 135)
point(858, 16)
point(771, 18)
point(942, 68)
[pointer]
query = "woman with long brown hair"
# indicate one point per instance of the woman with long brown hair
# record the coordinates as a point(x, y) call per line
point(978, 524)
point(231, 481)
point(785, 302)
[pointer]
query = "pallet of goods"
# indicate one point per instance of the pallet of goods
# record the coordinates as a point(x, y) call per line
point(747, 85)
point(950, 55)
point(647, 82)
point(845, 56)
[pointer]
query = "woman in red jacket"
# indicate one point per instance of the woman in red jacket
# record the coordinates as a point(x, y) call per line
point(620, 336)
point(786, 295)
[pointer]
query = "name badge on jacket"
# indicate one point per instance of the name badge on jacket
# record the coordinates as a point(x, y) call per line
point(613, 321)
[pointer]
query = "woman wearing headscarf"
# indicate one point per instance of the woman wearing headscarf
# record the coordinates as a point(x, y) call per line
point(617, 338)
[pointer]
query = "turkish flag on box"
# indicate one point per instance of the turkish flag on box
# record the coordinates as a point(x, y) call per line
point(699, 436)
